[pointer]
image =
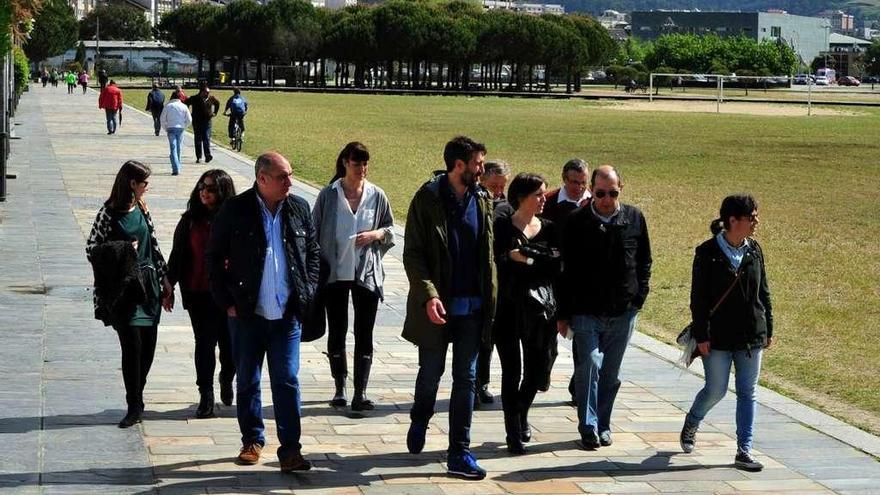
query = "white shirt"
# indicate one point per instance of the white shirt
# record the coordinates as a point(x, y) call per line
point(563, 196)
point(175, 115)
point(348, 224)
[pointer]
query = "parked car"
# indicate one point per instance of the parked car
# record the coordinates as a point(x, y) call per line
point(802, 78)
point(848, 81)
point(822, 81)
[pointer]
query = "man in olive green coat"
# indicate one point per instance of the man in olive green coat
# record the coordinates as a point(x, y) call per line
point(448, 261)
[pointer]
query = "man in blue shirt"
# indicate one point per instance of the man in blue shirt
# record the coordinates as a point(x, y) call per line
point(448, 261)
point(263, 262)
point(236, 108)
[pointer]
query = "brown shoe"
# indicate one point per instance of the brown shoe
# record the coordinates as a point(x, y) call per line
point(295, 462)
point(250, 454)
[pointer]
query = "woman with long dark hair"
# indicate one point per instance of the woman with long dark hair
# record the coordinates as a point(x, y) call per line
point(355, 230)
point(130, 279)
point(732, 320)
point(527, 254)
point(187, 266)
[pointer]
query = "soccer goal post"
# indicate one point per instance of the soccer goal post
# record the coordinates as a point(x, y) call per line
point(657, 80)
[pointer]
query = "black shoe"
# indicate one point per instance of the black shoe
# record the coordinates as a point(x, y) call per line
point(515, 445)
point(226, 394)
point(525, 430)
point(605, 438)
point(688, 437)
point(198, 160)
point(590, 441)
point(206, 406)
point(175, 173)
point(415, 437)
point(157, 133)
point(360, 402)
point(746, 462)
point(484, 395)
point(208, 159)
point(295, 462)
point(130, 419)
point(339, 371)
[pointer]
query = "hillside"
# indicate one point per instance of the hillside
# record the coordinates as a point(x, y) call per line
point(862, 8)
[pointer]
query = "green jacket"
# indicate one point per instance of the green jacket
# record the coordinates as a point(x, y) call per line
point(428, 265)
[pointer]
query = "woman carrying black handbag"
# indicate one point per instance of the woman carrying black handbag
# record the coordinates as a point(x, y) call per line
point(527, 255)
point(732, 321)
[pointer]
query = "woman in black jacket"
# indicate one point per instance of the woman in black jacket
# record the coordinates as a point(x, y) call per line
point(124, 223)
point(187, 266)
point(527, 255)
point(732, 320)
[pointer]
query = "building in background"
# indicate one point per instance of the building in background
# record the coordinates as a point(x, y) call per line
point(139, 57)
point(841, 22)
point(844, 55)
point(338, 4)
point(807, 36)
point(525, 8)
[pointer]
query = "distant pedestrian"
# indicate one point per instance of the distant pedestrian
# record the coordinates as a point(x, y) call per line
point(53, 78)
point(84, 80)
point(70, 79)
point(187, 265)
point(175, 118)
point(130, 279)
point(355, 229)
point(110, 100)
point(732, 321)
point(44, 76)
point(155, 104)
point(204, 108)
point(103, 78)
point(180, 94)
point(263, 265)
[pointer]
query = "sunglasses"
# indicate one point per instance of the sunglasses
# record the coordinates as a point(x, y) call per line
point(210, 188)
point(600, 193)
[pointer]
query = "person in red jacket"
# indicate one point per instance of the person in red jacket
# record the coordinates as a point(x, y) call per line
point(111, 101)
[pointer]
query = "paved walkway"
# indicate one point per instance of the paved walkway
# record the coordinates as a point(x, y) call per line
point(62, 393)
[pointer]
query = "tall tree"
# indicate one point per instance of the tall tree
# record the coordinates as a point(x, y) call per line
point(54, 31)
point(118, 22)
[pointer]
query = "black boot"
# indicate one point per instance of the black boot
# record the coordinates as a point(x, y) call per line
point(226, 394)
point(339, 370)
point(360, 402)
point(206, 405)
point(132, 418)
point(525, 429)
point(513, 429)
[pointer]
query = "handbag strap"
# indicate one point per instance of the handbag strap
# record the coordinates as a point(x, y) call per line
point(724, 296)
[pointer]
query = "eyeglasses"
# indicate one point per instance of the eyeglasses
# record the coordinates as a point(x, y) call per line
point(600, 193)
point(752, 217)
point(145, 183)
point(210, 188)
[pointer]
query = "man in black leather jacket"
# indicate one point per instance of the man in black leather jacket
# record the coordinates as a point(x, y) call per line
point(607, 267)
point(263, 263)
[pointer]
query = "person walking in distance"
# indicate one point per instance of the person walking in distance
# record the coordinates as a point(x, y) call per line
point(187, 266)
point(355, 230)
point(155, 104)
point(604, 283)
point(204, 108)
point(452, 284)
point(110, 100)
point(263, 266)
point(175, 118)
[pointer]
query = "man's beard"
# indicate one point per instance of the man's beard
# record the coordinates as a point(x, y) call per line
point(469, 179)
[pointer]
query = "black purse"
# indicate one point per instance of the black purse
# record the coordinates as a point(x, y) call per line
point(686, 339)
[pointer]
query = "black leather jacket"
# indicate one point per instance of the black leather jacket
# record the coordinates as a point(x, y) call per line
point(238, 248)
point(606, 268)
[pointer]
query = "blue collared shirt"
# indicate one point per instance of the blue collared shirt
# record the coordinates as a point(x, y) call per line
point(275, 285)
point(734, 254)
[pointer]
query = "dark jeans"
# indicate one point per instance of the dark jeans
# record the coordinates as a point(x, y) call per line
point(254, 337)
point(465, 332)
point(232, 119)
point(111, 120)
point(210, 331)
point(365, 304)
point(202, 132)
point(484, 364)
point(157, 125)
point(526, 362)
point(138, 345)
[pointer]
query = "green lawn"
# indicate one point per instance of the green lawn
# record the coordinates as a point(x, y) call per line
point(816, 180)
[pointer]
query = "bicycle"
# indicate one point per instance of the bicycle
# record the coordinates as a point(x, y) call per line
point(236, 141)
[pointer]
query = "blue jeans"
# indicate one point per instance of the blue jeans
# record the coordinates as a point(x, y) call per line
point(601, 342)
point(252, 337)
point(111, 120)
point(466, 333)
point(717, 367)
point(203, 139)
point(175, 142)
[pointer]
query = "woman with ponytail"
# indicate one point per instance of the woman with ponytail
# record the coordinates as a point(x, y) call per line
point(732, 320)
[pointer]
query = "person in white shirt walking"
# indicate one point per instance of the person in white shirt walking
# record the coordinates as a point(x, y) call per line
point(175, 119)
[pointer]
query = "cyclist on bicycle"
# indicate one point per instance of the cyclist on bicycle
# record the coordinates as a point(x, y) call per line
point(236, 108)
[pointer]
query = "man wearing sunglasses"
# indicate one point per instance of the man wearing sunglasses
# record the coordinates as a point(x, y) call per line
point(607, 266)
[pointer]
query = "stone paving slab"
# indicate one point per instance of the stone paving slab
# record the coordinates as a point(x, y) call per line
point(63, 394)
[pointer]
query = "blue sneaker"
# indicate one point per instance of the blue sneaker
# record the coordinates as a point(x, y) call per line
point(415, 437)
point(465, 466)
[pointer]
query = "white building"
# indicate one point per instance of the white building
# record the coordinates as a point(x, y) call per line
point(338, 4)
point(612, 19)
point(526, 8)
point(146, 57)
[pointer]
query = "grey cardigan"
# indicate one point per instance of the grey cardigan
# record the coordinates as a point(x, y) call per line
point(370, 273)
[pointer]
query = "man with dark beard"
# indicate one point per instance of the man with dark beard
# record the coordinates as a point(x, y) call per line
point(448, 262)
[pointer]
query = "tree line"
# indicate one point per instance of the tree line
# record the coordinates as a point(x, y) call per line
point(399, 44)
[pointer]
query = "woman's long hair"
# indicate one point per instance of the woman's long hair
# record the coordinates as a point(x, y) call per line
point(225, 190)
point(353, 151)
point(735, 205)
point(122, 194)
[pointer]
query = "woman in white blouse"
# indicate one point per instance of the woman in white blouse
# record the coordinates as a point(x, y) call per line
point(355, 230)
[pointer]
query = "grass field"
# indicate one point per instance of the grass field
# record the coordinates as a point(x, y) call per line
point(816, 180)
